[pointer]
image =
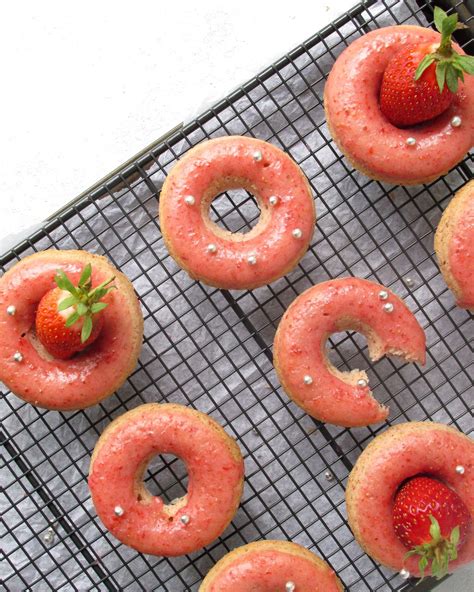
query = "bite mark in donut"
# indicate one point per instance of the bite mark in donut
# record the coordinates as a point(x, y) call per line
point(300, 358)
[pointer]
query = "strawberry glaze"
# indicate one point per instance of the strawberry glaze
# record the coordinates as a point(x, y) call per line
point(402, 452)
point(329, 307)
point(215, 469)
point(370, 141)
point(267, 566)
point(87, 377)
point(228, 163)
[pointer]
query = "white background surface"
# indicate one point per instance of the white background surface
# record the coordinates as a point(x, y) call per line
point(88, 85)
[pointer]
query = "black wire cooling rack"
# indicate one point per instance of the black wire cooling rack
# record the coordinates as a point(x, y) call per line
point(211, 349)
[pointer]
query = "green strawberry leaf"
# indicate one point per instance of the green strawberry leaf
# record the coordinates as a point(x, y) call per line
point(67, 302)
point(441, 74)
point(98, 306)
point(451, 78)
point(439, 16)
point(72, 319)
point(422, 565)
point(82, 309)
point(63, 282)
point(448, 25)
point(466, 63)
point(86, 274)
point(86, 329)
point(435, 530)
point(455, 534)
point(425, 63)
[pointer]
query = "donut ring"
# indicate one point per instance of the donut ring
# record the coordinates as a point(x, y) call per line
point(235, 260)
point(270, 566)
point(454, 246)
point(401, 452)
point(363, 134)
point(141, 520)
point(299, 355)
point(89, 376)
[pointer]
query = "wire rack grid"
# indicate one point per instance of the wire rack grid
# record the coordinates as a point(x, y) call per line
point(211, 349)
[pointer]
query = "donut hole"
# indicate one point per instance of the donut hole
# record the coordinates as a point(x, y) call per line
point(165, 476)
point(235, 210)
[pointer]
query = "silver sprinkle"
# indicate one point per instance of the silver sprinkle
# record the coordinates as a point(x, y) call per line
point(362, 382)
point(383, 294)
point(273, 200)
point(307, 379)
point(404, 574)
point(252, 260)
point(118, 511)
point(189, 200)
point(211, 248)
point(18, 357)
point(460, 470)
point(257, 156)
point(410, 141)
point(11, 310)
point(185, 519)
point(297, 233)
point(388, 307)
point(290, 586)
point(48, 536)
point(456, 121)
point(329, 476)
point(409, 281)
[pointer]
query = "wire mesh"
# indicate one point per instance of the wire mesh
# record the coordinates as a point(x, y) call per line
point(211, 349)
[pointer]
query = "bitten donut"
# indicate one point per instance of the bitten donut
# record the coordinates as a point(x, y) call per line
point(271, 566)
point(382, 151)
point(454, 246)
point(143, 521)
point(399, 453)
point(301, 362)
point(29, 371)
point(236, 260)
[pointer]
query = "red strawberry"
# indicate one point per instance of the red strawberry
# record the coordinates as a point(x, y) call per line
point(69, 317)
point(420, 81)
point(432, 521)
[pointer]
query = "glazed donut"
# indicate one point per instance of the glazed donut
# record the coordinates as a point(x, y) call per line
point(454, 246)
point(97, 372)
point(399, 453)
point(369, 141)
point(299, 356)
point(235, 260)
point(271, 566)
point(143, 521)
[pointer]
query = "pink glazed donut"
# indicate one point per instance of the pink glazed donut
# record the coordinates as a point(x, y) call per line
point(301, 362)
point(271, 566)
point(454, 246)
point(235, 260)
point(32, 373)
point(143, 521)
point(371, 143)
point(401, 452)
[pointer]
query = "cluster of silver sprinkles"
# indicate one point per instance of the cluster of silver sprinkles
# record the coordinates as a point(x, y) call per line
point(388, 307)
point(410, 141)
point(48, 536)
point(307, 379)
point(185, 519)
point(460, 470)
point(211, 248)
point(383, 294)
point(18, 357)
point(257, 156)
point(456, 121)
point(290, 586)
point(362, 382)
point(11, 310)
point(118, 511)
point(189, 200)
point(273, 200)
point(297, 233)
point(252, 260)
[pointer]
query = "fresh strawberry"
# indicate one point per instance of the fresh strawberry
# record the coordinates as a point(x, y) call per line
point(420, 81)
point(432, 521)
point(69, 318)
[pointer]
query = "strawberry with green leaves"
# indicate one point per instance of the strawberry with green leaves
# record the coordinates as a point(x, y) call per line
point(420, 81)
point(432, 521)
point(69, 318)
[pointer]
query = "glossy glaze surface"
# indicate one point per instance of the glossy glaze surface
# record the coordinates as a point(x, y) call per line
point(399, 453)
point(267, 566)
point(215, 470)
point(461, 249)
point(363, 133)
point(228, 163)
point(329, 307)
point(87, 377)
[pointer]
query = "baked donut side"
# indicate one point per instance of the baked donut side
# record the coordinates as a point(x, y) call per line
point(271, 565)
point(143, 521)
point(220, 258)
point(88, 377)
point(454, 246)
point(401, 452)
point(380, 150)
